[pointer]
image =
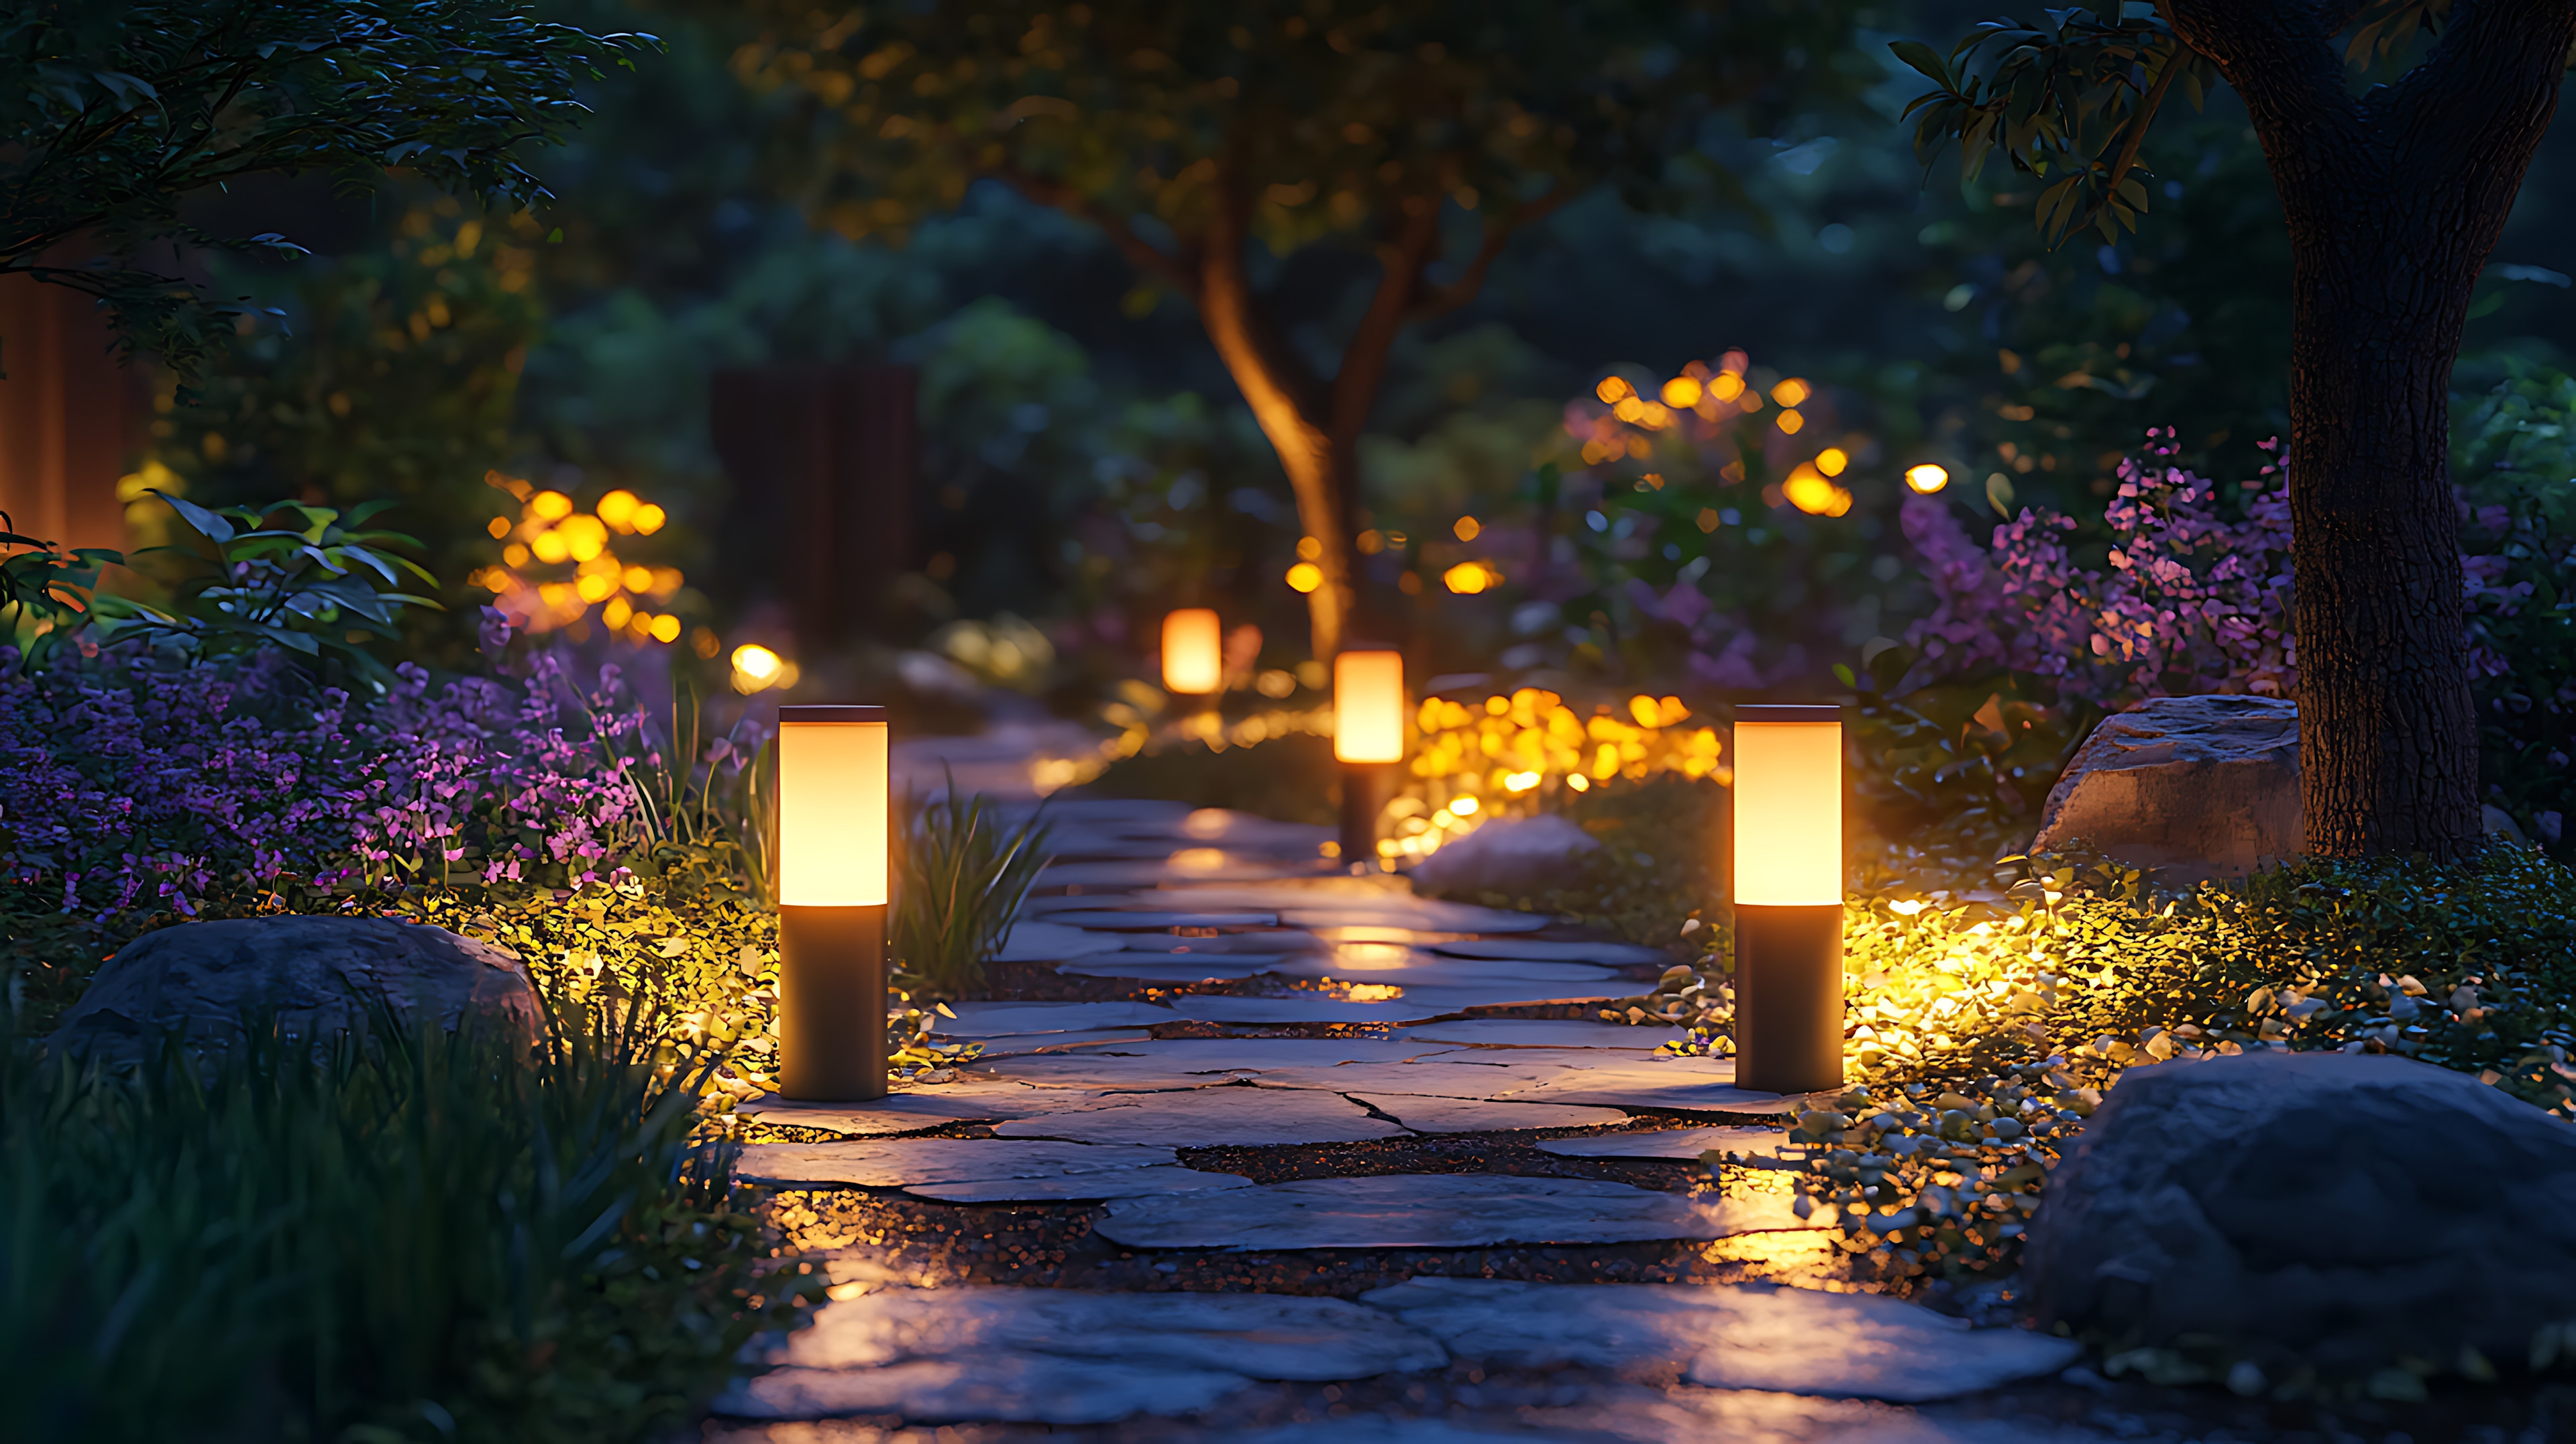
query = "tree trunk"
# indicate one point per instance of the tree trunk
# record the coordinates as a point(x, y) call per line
point(1305, 448)
point(2393, 200)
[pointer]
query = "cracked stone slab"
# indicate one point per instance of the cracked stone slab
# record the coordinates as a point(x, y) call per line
point(1747, 1336)
point(1015, 1388)
point(901, 1112)
point(1200, 968)
point(1064, 1356)
point(1112, 1183)
point(1473, 1115)
point(1302, 1006)
point(1014, 1044)
point(1348, 902)
point(1225, 867)
point(1405, 1210)
point(1700, 1085)
point(1147, 920)
point(1429, 1078)
point(1046, 942)
point(1410, 966)
point(1543, 1033)
point(901, 1162)
point(1211, 1118)
point(1688, 1143)
point(1548, 950)
point(994, 1020)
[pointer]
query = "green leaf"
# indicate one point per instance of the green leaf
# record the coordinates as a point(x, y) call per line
point(205, 523)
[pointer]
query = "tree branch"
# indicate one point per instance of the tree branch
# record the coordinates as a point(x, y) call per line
point(2145, 117)
point(1401, 260)
point(1181, 273)
point(2279, 58)
point(1498, 234)
point(2496, 61)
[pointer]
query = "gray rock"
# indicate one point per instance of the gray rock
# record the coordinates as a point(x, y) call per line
point(1064, 1356)
point(1507, 855)
point(2340, 1210)
point(316, 976)
point(1752, 1336)
point(1403, 1210)
point(2196, 787)
point(1210, 1118)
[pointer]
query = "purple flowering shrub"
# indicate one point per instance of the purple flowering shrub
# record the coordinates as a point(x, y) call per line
point(2026, 645)
point(2189, 600)
point(130, 780)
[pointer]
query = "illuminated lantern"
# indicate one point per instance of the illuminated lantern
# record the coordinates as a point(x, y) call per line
point(1789, 898)
point(832, 890)
point(1368, 740)
point(1193, 653)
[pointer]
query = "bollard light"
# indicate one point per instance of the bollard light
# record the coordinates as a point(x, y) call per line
point(1789, 898)
point(1193, 652)
point(833, 828)
point(1368, 740)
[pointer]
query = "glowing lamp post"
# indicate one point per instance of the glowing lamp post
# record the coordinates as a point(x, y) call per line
point(832, 832)
point(1789, 898)
point(1193, 653)
point(1368, 740)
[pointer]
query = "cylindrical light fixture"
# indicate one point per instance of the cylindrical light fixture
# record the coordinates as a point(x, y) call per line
point(1193, 652)
point(1789, 898)
point(1368, 740)
point(833, 829)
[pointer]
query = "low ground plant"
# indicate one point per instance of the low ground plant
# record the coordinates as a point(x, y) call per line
point(411, 1237)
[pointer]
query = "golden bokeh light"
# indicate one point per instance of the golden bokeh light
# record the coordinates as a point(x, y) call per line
point(1305, 577)
point(1726, 386)
point(1790, 422)
point(618, 509)
point(1832, 461)
point(1682, 392)
point(649, 519)
point(1469, 578)
point(1927, 478)
point(1467, 529)
point(1792, 392)
point(549, 506)
point(1613, 390)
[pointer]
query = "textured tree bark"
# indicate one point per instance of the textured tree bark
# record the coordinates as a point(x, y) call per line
point(2393, 200)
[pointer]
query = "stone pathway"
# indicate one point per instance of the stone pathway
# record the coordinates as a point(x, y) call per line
point(1376, 1148)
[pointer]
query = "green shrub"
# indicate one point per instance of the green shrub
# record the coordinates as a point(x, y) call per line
point(420, 1238)
point(964, 874)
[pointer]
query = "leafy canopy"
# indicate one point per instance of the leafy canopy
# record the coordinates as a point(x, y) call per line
point(2070, 99)
point(1327, 116)
point(130, 105)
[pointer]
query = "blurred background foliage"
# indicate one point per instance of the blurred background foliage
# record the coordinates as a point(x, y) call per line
point(1088, 463)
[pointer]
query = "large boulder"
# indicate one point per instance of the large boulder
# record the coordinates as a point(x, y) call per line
point(2342, 1212)
point(1508, 854)
point(2194, 787)
point(315, 976)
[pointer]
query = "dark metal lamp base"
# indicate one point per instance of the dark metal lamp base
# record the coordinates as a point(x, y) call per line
point(1789, 998)
point(831, 1003)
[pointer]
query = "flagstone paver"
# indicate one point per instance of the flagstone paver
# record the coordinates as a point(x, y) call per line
point(1476, 1115)
point(1757, 1143)
point(1799, 1341)
point(1087, 1111)
point(1210, 1117)
point(992, 1020)
point(1407, 1210)
point(894, 1163)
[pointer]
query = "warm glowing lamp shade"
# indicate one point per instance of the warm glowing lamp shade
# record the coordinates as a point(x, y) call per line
point(1789, 898)
point(832, 892)
point(832, 824)
point(1789, 808)
point(1368, 707)
point(1193, 652)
